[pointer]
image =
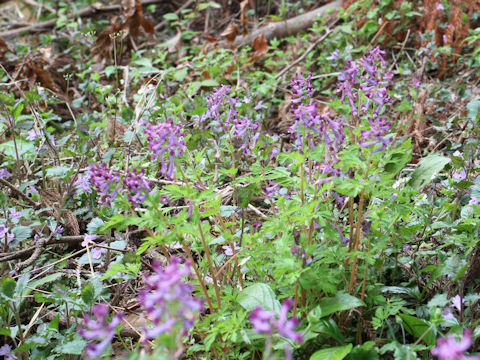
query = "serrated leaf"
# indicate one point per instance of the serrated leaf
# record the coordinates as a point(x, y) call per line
point(259, 294)
point(334, 353)
point(427, 169)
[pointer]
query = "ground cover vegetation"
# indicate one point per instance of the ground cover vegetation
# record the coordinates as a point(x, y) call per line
point(240, 179)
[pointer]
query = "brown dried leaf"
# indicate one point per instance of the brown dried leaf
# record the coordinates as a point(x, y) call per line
point(175, 43)
point(4, 48)
point(122, 27)
point(243, 15)
point(230, 33)
point(260, 46)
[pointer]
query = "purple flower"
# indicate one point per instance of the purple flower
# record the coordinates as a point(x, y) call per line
point(98, 332)
point(14, 214)
point(166, 140)
point(447, 314)
point(333, 56)
point(31, 190)
point(32, 135)
point(440, 7)
point(269, 322)
point(244, 130)
point(5, 174)
point(97, 251)
point(221, 108)
point(88, 238)
point(106, 181)
point(6, 350)
point(167, 300)
point(457, 302)
point(449, 349)
point(376, 135)
point(5, 234)
point(137, 186)
point(59, 229)
point(228, 249)
point(83, 183)
point(260, 106)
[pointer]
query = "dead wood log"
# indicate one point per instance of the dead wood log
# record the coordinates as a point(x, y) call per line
point(285, 28)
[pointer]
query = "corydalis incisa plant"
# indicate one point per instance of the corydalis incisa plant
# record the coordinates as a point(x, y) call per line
point(225, 117)
point(272, 324)
point(98, 331)
point(168, 303)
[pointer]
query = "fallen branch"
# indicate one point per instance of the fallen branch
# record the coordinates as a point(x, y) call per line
point(285, 28)
point(88, 11)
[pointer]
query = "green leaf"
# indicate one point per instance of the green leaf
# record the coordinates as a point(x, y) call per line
point(334, 353)
point(88, 294)
point(74, 347)
point(25, 148)
point(259, 294)
point(171, 16)
point(473, 108)
point(340, 302)
point(22, 232)
point(8, 287)
point(427, 169)
point(94, 225)
point(180, 74)
point(418, 327)
point(58, 172)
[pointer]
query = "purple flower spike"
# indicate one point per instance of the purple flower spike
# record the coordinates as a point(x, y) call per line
point(167, 300)
point(166, 141)
point(137, 186)
point(98, 332)
point(449, 349)
point(268, 322)
point(106, 181)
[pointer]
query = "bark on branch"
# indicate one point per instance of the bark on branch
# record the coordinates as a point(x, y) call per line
point(285, 28)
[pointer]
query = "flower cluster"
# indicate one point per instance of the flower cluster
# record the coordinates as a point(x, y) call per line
point(222, 109)
point(106, 181)
point(137, 186)
point(364, 85)
point(5, 234)
point(449, 349)
point(312, 127)
point(168, 300)
point(166, 138)
point(268, 322)
point(6, 351)
point(98, 332)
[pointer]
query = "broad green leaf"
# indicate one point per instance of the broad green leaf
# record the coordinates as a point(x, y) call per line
point(94, 225)
point(74, 347)
point(44, 280)
point(473, 108)
point(418, 327)
point(88, 294)
point(25, 148)
point(22, 232)
point(427, 169)
point(334, 353)
point(259, 294)
point(340, 302)
point(8, 287)
point(58, 172)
